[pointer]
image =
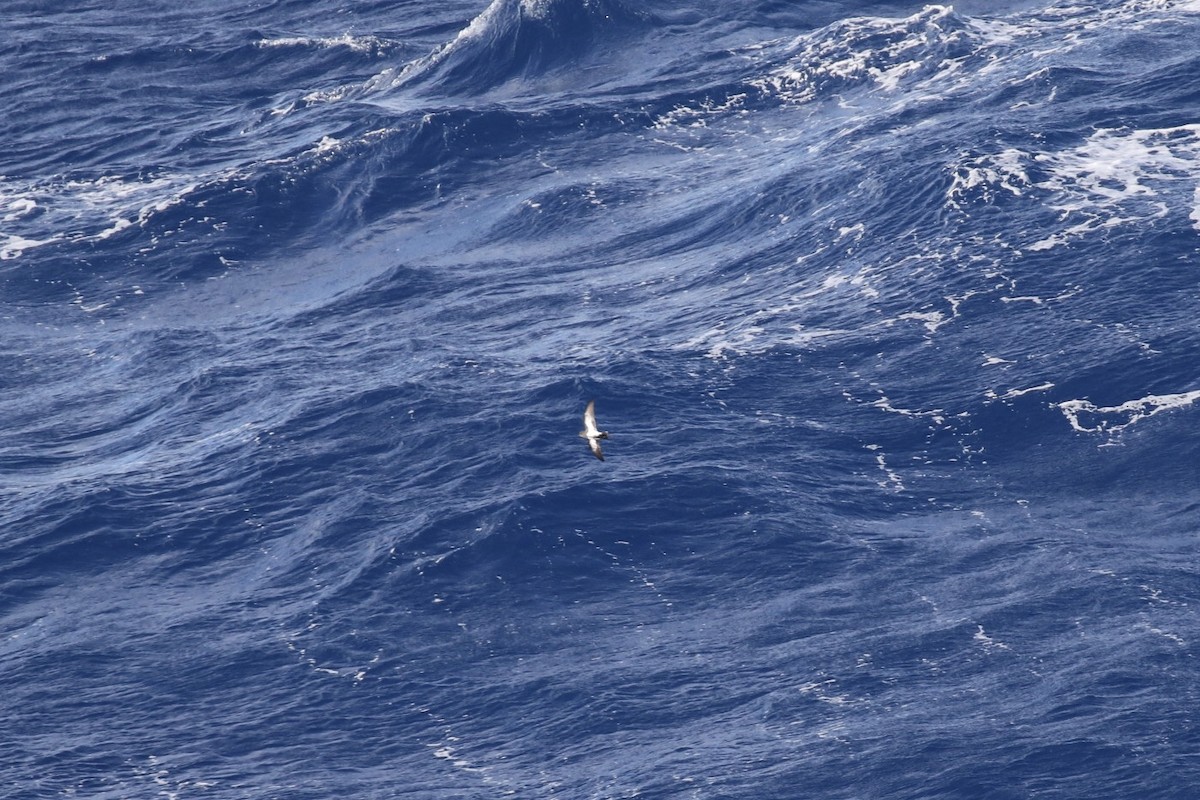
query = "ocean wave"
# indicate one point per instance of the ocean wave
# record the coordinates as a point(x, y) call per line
point(890, 317)
point(511, 39)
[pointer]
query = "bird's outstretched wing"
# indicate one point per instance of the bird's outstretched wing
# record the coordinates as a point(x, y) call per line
point(594, 443)
point(589, 421)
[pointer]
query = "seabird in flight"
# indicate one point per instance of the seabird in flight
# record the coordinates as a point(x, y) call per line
point(591, 432)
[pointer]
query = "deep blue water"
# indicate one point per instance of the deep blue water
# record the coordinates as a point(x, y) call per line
point(890, 309)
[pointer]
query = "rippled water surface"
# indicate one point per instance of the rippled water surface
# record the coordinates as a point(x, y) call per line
point(889, 309)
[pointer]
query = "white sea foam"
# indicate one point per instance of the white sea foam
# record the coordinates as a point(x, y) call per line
point(85, 210)
point(899, 49)
point(12, 246)
point(1012, 394)
point(823, 691)
point(987, 642)
point(932, 320)
point(1173, 637)
point(1086, 417)
point(1119, 164)
point(989, 175)
point(1117, 177)
point(892, 480)
point(857, 230)
point(361, 44)
point(96, 209)
point(16, 207)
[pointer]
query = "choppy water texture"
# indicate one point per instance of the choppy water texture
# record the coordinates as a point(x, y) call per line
point(890, 311)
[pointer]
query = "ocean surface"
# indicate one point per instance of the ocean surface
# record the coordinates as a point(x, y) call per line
point(891, 311)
